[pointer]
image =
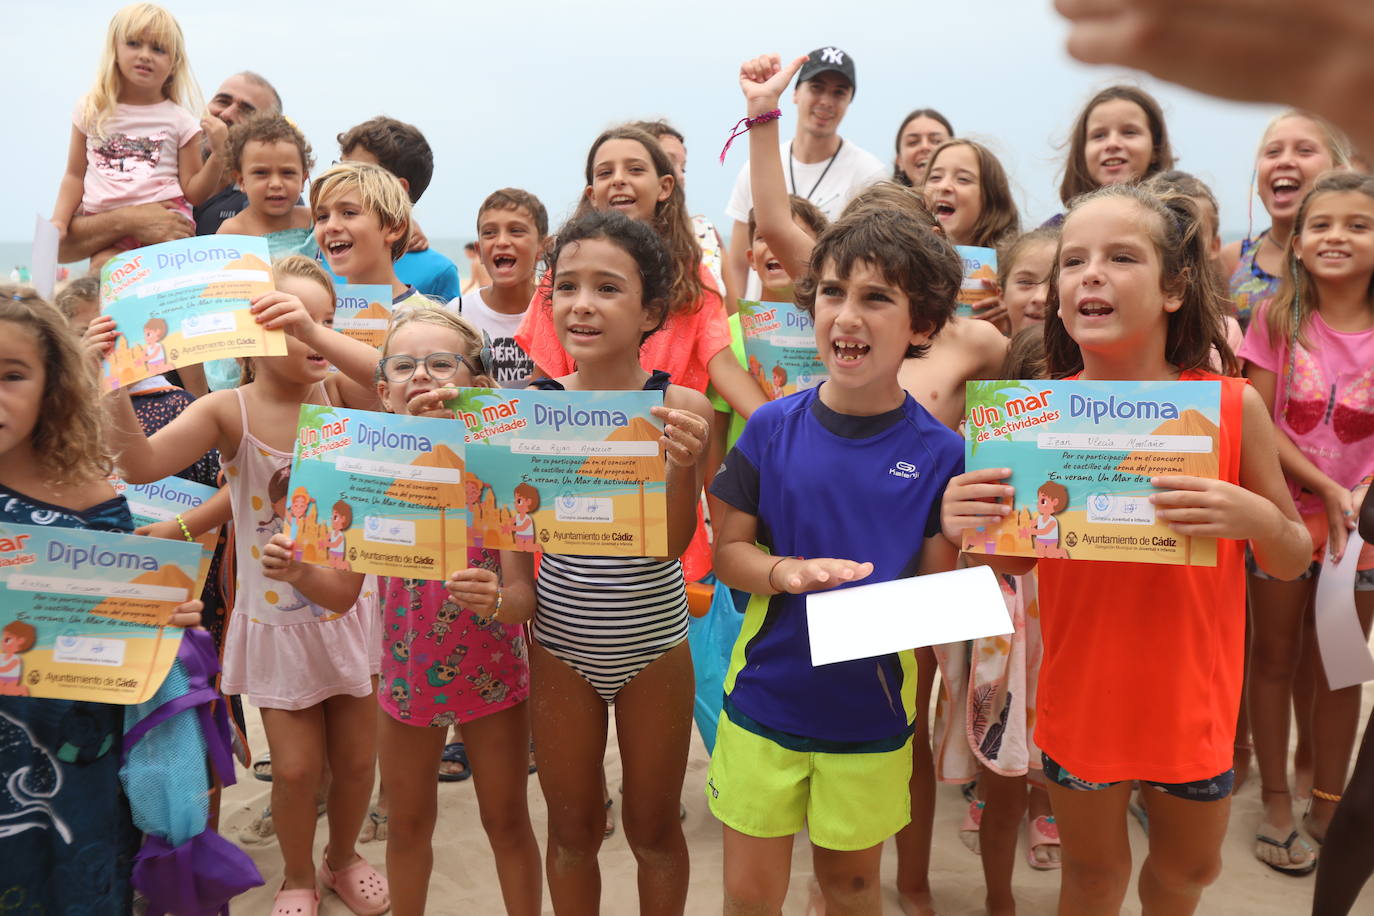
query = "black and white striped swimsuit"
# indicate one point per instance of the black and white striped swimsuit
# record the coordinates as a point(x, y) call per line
point(609, 617)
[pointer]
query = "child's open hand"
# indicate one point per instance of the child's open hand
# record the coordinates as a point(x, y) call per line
point(97, 341)
point(795, 576)
point(684, 435)
point(431, 403)
point(279, 559)
point(971, 500)
point(764, 79)
point(276, 310)
point(475, 588)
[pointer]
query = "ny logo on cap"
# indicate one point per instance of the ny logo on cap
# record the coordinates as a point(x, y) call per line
point(832, 56)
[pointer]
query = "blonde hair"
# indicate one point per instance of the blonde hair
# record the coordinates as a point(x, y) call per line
point(140, 20)
point(379, 191)
point(68, 438)
point(442, 317)
point(295, 265)
point(1333, 138)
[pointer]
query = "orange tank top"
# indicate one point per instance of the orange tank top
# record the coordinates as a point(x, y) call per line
point(1143, 663)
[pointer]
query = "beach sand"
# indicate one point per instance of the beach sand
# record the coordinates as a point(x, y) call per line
point(464, 881)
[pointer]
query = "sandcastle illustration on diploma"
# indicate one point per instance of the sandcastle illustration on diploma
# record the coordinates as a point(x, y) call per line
point(129, 363)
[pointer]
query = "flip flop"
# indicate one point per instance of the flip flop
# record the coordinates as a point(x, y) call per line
point(1296, 871)
point(455, 753)
point(1041, 831)
point(610, 821)
point(262, 768)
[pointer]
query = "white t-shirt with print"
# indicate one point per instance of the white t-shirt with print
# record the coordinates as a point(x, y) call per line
point(511, 365)
point(853, 170)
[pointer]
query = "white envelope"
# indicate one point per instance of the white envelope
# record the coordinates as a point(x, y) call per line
point(869, 620)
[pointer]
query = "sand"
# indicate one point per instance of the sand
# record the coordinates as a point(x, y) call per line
point(464, 881)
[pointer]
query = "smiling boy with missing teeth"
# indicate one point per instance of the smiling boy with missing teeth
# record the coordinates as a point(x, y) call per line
point(830, 746)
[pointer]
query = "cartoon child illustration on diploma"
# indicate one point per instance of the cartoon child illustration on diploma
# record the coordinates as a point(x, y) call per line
point(522, 527)
point(154, 332)
point(779, 381)
point(340, 521)
point(16, 638)
point(1051, 499)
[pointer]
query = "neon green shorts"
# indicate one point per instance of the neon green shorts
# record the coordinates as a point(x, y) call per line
point(846, 801)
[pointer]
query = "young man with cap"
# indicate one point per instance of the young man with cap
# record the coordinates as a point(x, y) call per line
point(822, 166)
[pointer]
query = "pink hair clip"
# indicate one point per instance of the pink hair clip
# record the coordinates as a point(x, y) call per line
point(747, 124)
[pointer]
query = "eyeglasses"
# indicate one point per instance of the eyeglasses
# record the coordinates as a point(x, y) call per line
point(439, 366)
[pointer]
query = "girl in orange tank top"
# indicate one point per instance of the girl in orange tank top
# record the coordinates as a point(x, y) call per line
point(1143, 663)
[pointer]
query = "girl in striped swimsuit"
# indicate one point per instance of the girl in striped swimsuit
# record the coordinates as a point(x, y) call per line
point(613, 631)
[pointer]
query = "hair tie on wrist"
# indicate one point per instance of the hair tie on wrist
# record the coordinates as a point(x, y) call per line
point(748, 123)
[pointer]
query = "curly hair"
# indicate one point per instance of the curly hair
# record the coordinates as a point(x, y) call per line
point(904, 248)
point(641, 243)
point(268, 127)
point(1185, 270)
point(671, 220)
point(68, 439)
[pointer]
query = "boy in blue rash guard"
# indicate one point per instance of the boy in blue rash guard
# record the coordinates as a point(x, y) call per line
point(825, 488)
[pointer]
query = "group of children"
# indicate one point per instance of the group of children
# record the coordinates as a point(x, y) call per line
point(1103, 689)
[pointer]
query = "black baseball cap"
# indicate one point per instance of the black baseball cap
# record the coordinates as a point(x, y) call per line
point(828, 60)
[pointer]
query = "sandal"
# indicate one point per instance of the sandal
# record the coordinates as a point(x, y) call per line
point(969, 829)
point(455, 753)
point(376, 827)
point(610, 821)
point(1264, 843)
point(361, 888)
point(1318, 838)
point(261, 828)
point(262, 768)
point(300, 901)
point(1041, 831)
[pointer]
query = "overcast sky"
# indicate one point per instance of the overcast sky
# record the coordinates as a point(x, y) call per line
point(512, 93)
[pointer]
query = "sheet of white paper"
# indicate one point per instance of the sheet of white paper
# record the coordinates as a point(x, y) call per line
point(869, 620)
point(1344, 648)
point(43, 260)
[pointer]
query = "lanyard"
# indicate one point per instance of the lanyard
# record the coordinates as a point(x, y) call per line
point(824, 171)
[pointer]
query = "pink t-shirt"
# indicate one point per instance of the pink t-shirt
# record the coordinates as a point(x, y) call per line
point(136, 161)
point(1328, 410)
point(682, 347)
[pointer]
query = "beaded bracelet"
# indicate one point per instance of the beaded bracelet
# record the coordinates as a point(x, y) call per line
point(748, 123)
point(185, 532)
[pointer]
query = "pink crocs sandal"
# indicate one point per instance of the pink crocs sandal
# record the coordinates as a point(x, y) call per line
point(362, 889)
point(301, 901)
